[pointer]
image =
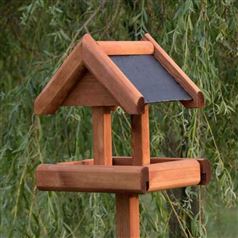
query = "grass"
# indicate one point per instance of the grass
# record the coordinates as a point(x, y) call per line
point(223, 223)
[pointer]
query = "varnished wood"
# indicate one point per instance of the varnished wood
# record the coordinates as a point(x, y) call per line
point(111, 77)
point(205, 167)
point(206, 172)
point(57, 89)
point(88, 77)
point(164, 173)
point(180, 76)
point(91, 53)
point(127, 216)
point(91, 178)
point(174, 174)
point(141, 138)
point(89, 92)
point(128, 204)
point(102, 135)
point(78, 162)
point(127, 47)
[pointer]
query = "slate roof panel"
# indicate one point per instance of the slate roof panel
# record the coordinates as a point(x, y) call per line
point(150, 78)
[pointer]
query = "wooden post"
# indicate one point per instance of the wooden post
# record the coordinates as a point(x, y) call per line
point(127, 216)
point(102, 136)
point(127, 205)
point(141, 138)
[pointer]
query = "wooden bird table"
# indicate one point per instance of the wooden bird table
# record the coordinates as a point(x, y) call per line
point(104, 75)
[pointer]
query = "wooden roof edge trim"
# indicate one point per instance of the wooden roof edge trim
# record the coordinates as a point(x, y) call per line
point(127, 47)
point(180, 76)
point(111, 77)
point(57, 89)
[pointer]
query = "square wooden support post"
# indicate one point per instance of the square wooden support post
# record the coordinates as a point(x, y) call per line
point(127, 216)
point(127, 205)
point(102, 135)
point(141, 138)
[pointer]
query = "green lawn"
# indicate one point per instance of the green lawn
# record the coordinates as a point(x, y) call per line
point(224, 225)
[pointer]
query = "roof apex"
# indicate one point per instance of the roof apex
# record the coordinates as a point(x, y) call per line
point(91, 55)
point(111, 77)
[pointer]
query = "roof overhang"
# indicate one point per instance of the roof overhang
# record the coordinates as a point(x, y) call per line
point(93, 56)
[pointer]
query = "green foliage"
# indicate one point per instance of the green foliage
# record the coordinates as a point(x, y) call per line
point(35, 37)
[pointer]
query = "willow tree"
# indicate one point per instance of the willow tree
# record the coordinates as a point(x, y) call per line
point(36, 35)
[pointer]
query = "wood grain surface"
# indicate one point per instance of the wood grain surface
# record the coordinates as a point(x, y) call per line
point(127, 47)
point(102, 67)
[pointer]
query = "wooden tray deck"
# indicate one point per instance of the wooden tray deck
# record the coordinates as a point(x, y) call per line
point(122, 177)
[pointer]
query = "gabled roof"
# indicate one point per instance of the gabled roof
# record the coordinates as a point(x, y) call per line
point(131, 73)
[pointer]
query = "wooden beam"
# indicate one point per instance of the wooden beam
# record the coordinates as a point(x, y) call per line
point(206, 172)
point(127, 217)
point(164, 173)
point(127, 47)
point(180, 76)
point(174, 174)
point(111, 76)
point(78, 162)
point(91, 178)
point(89, 92)
point(141, 138)
point(57, 89)
point(205, 167)
point(102, 135)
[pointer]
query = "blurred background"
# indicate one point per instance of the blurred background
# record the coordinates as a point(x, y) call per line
point(36, 36)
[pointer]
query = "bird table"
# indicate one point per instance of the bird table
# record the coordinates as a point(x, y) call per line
point(104, 75)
